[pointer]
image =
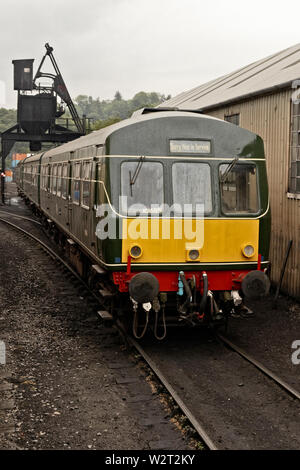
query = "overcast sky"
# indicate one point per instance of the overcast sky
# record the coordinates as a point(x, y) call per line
point(166, 46)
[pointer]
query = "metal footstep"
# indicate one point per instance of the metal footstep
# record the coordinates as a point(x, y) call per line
point(105, 315)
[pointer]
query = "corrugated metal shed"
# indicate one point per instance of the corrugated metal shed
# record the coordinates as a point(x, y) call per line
point(260, 95)
point(274, 72)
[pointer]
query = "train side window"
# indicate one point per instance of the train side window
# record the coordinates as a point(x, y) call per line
point(48, 177)
point(86, 184)
point(54, 173)
point(239, 189)
point(76, 183)
point(44, 177)
point(65, 181)
point(58, 188)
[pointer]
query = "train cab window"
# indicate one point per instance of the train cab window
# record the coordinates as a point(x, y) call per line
point(76, 183)
point(54, 173)
point(64, 184)
point(58, 182)
point(238, 187)
point(86, 184)
point(192, 187)
point(142, 185)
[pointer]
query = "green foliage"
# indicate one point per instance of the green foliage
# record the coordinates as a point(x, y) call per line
point(106, 110)
point(104, 123)
point(8, 117)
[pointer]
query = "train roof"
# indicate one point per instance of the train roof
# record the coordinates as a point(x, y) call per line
point(98, 138)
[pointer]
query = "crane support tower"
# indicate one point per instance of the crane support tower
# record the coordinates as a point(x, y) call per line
point(39, 107)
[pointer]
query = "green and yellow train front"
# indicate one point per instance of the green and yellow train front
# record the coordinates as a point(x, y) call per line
point(191, 212)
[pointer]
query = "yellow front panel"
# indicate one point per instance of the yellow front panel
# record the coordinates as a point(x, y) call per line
point(168, 240)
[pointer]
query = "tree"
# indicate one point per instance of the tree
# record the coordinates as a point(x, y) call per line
point(118, 96)
point(118, 108)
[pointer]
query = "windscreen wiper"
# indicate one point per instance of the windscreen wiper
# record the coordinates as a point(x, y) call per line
point(228, 170)
point(132, 179)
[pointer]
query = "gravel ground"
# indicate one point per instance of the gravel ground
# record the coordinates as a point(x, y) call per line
point(239, 407)
point(269, 334)
point(68, 383)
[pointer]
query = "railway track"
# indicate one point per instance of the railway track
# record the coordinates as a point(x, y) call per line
point(210, 441)
point(206, 436)
point(17, 216)
point(267, 372)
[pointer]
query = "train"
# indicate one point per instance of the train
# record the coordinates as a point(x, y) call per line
point(166, 214)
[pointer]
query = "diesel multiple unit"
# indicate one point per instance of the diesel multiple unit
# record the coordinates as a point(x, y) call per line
point(167, 213)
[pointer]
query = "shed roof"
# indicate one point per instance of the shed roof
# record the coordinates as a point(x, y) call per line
point(276, 71)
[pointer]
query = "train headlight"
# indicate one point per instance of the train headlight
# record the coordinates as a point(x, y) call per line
point(135, 251)
point(248, 250)
point(194, 255)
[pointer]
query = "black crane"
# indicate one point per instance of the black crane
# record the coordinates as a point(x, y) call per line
point(38, 110)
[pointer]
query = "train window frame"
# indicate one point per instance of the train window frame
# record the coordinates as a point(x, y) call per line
point(76, 179)
point(54, 179)
point(86, 179)
point(59, 180)
point(65, 180)
point(48, 178)
point(44, 177)
point(192, 161)
point(147, 213)
point(42, 182)
point(240, 214)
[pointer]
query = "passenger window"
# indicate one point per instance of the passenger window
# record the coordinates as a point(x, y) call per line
point(86, 184)
point(48, 177)
point(76, 183)
point(65, 181)
point(54, 169)
point(44, 171)
point(59, 180)
point(42, 178)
